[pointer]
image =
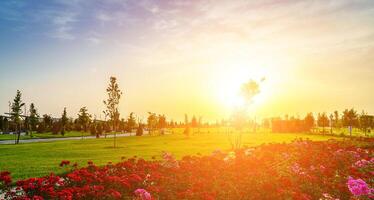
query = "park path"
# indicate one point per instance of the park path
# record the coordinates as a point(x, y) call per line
point(67, 138)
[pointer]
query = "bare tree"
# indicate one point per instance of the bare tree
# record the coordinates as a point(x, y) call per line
point(114, 95)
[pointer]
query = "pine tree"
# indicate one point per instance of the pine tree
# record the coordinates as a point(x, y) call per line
point(16, 113)
point(33, 118)
point(64, 121)
point(84, 118)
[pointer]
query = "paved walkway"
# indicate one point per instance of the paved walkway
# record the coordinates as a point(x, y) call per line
point(67, 138)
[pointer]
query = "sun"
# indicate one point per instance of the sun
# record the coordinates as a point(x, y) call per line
point(230, 81)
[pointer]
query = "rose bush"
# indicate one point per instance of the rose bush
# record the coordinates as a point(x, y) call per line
point(299, 170)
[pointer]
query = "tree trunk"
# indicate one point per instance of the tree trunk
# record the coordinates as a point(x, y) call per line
point(18, 134)
point(15, 135)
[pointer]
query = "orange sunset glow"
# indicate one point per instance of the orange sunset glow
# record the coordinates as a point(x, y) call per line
point(187, 99)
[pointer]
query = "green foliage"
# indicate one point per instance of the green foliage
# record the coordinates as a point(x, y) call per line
point(152, 121)
point(114, 96)
point(99, 130)
point(56, 128)
point(93, 129)
point(16, 113)
point(131, 122)
point(47, 121)
point(64, 121)
point(17, 108)
point(33, 118)
point(366, 121)
point(350, 119)
point(84, 118)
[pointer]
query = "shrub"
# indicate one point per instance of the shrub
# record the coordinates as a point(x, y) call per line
point(300, 170)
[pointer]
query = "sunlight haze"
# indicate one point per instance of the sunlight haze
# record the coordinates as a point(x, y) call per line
point(176, 57)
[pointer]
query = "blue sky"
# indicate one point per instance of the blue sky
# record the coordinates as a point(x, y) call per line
point(174, 57)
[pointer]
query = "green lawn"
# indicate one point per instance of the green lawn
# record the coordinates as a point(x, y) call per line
point(45, 135)
point(38, 159)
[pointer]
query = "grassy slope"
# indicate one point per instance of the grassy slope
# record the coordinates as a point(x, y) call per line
point(38, 159)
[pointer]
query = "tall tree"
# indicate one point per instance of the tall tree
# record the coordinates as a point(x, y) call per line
point(33, 118)
point(309, 121)
point(112, 103)
point(366, 121)
point(162, 123)
point(331, 117)
point(84, 118)
point(152, 122)
point(349, 119)
point(131, 121)
point(250, 90)
point(194, 121)
point(64, 121)
point(336, 119)
point(16, 114)
point(186, 120)
point(323, 121)
point(47, 121)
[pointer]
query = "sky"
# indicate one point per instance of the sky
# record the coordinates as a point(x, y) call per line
point(176, 57)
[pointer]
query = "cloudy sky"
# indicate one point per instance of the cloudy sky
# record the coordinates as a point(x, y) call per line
point(177, 57)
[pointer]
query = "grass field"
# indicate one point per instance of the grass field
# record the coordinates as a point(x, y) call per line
point(38, 159)
point(45, 135)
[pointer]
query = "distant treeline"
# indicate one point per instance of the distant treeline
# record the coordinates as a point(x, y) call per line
point(349, 118)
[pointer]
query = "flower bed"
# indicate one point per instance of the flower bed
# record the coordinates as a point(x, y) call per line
point(299, 170)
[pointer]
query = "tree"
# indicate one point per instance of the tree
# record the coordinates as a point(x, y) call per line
point(99, 130)
point(194, 122)
point(366, 122)
point(131, 122)
point(114, 95)
point(93, 129)
point(309, 121)
point(152, 122)
point(33, 118)
point(64, 121)
point(323, 121)
point(349, 119)
point(16, 114)
point(84, 118)
point(162, 123)
point(1, 123)
point(248, 91)
point(186, 120)
point(139, 130)
point(336, 119)
point(331, 117)
point(47, 121)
